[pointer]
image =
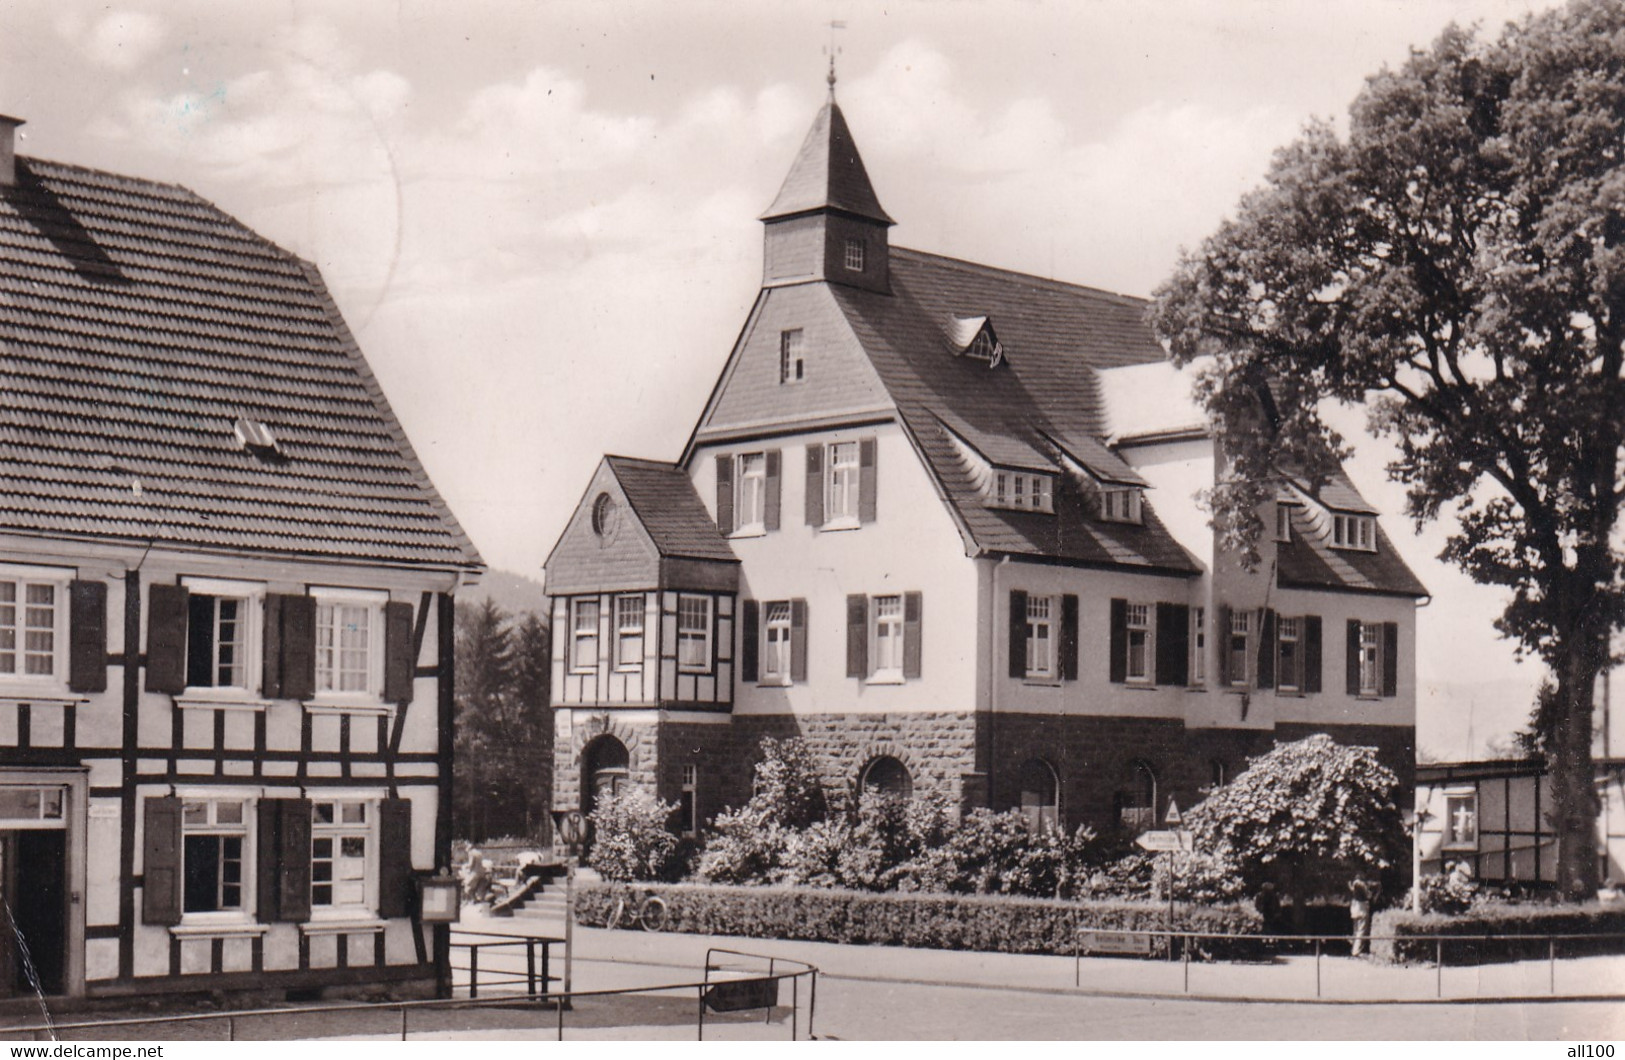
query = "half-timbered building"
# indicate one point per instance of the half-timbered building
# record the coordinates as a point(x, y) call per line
point(226, 590)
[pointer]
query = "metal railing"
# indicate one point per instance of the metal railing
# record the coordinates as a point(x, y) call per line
point(706, 994)
point(1182, 945)
point(474, 941)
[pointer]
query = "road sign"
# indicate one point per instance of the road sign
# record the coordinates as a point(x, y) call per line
point(1172, 816)
point(572, 827)
point(1167, 842)
point(1114, 942)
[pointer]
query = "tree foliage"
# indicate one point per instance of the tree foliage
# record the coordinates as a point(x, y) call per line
point(504, 745)
point(632, 837)
point(1308, 814)
point(1458, 258)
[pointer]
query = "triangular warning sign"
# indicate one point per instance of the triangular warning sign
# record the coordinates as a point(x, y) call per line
point(1172, 816)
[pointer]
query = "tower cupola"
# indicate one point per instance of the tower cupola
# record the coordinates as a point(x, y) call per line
point(826, 222)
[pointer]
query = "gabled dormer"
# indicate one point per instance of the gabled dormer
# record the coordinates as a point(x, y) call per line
point(974, 337)
point(826, 223)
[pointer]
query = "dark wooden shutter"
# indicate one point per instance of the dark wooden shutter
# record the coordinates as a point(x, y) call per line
point(1390, 658)
point(395, 882)
point(775, 494)
point(298, 647)
point(1268, 645)
point(161, 862)
point(1069, 637)
point(166, 638)
point(267, 873)
point(400, 665)
point(913, 604)
point(750, 637)
point(798, 640)
point(200, 641)
point(1018, 633)
point(87, 635)
point(1311, 653)
point(815, 484)
point(1119, 641)
point(293, 860)
point(866, 480)
point(1173, 644)
point(1352, 658)
point(1221, 638)
point(725, 494)
point(271, 663)
point(857, 636)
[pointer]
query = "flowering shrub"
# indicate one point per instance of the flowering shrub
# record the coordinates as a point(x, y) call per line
point(631, 840)
point(1445, 894)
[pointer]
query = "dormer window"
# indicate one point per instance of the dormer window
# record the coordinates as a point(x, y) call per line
point(854, 255)
point(1357, 532)
point(1120, 504)
point(974, 337)
point(1023, 491)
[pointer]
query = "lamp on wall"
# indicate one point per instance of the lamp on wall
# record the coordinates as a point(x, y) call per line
point(440, 897)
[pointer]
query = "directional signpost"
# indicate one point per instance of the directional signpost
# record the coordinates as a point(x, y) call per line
point(1168, 842)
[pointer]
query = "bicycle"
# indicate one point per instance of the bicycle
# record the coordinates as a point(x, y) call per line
point(650, 914)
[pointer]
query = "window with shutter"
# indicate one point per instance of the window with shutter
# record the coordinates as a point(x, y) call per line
point(867, 484)
point(774, 499)
point(913, 644)
point(87, 636)
point(1311, 654)
point(400, 668)
point(857, 636)
point(1018, 633)
point(34, 629)
point(751, 637)
point(396, 885)
point(1267, 651)
point(1117, 645)
point(798, 640)
point(224, 640)
point(168, 612)
point(1172, 640)
point(1069, 637)
point(725, 494)
point(161, 862)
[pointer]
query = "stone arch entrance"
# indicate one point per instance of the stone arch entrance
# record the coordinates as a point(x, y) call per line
point(605, 766)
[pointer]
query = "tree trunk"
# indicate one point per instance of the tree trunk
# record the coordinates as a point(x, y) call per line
point(1568, 757)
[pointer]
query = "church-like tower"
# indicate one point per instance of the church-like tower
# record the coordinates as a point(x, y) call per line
point(826, 222)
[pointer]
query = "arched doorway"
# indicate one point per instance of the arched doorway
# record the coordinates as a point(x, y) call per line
point(603, 771)
point(889, 775)
point(1040, 794)
point(1137, 803)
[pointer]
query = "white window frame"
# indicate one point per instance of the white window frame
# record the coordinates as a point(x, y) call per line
point(1023, 491)
point(1288, 631)
point(336, 830)
point(1283, 522)
point(792, 356)
point(51, 807)
point(750, 493)
point(1241, 625)
point(1041, 629)
point(372, 601)
point(1451, 838)
point(1141, 634)
point(248, 799)
point(629, 606)
point(691, 792)
point(887, 628)
point(1121, 504)
point(1198, 665)
point(692, 635)
point(580, 635)
point(19, 681)
point(1354, 533)
point(251, 597)
point(843, 484)
point(1370, 658)
point(776, 635)
point(855, 255)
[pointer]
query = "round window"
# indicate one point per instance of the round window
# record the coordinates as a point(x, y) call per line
point(606, 515)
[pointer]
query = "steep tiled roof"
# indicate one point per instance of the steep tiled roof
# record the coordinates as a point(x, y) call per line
point(1308, 561)
point(1054, 334)
point(827, 173)
point(138, 324)
point(663, 498)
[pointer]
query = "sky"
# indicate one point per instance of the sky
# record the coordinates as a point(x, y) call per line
point(540, 218)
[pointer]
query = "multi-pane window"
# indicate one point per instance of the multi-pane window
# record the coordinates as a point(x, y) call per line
point(1241, 626)
point(842, 483)
point(776, 643)
point(854, 255)
point(222, 634)
point(1461, 820)
point(214, 843)
point(628, 632)
point(1283, 522)
point(32, 617)
point(1040, 636)
point(1139, 642)
point(1026, 492)
point(694, 633)
point(1198, 645)
point(1289, 649)
point(584, 635)
point(28, 804)
point(1370, 658)
point(888, 636)
point(792, 358)
point(688, 816)
point(1137, 805)
point(340, 847)
point(1120, 505)
point(750, 491)
point(349, 644)
point(1355, 532)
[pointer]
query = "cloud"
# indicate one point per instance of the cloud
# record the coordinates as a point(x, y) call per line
point(119, 40)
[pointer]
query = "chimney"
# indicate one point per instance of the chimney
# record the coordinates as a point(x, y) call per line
point(8, 150)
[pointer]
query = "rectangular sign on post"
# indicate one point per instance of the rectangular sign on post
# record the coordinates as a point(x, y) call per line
point(1159, 842)
point(1114, 942)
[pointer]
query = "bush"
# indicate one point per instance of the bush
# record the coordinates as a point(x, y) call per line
point(1507, 923)
point(631, 840)
point(887, 839)
point(1197, 877)
point(937, 921)
point(751, 844)
point(1445, 894)
point(998, 853)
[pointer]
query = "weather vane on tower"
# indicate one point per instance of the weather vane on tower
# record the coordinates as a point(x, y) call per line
point(832, 51)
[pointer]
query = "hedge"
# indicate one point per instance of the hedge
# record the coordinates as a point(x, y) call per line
point(1510, 924)
point(995, 923)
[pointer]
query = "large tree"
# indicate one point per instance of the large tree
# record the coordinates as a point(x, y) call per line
point(1457, 260)
point(504, 741)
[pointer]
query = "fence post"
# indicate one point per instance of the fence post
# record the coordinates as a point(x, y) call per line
point(1077, 967)
point(473, 970)
point(812, 1003)
point(530, 966)
point(1317, 965)
point(795, 1004)
point(1438, 966)
point(1551, 963)
point(404, 1011)
point(559, 1004)
point(231, 1029)
point(699, 1026)
point(1187, 955)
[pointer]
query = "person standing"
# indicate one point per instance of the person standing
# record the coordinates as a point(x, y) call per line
point(1360, 913)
